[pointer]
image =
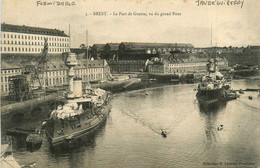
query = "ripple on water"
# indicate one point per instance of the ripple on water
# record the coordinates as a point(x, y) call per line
point(131, 136)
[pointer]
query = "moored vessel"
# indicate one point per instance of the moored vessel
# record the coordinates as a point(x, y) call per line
point(212, 88)
point(79, 112)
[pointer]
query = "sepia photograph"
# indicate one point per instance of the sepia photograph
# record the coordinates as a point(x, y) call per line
point(130, 84)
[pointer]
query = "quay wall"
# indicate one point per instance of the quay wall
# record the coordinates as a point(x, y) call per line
point(27, 104)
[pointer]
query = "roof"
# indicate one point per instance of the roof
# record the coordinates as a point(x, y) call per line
point(255, 47)
point(32, 30)
point(9, 65)
point(98, 47)
point(82, 63)
point(136, 45)
point(54, 62)
point(113, 46)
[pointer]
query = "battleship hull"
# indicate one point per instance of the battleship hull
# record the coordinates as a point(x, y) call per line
point(62, 131)
point(211, 98)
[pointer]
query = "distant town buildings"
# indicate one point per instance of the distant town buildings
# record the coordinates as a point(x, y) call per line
point(97, 50)
point(110, 51)
point(8, 71)
point(30, 40)
point(118, 66)
point(144, 51)
point(21, 44)
point(55, 74)
point(182, 65)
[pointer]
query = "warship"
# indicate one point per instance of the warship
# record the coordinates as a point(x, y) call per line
point(213, 87)
point(79, 112)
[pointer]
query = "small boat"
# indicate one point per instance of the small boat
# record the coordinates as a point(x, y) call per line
point(7, 159)
point(231, 96)
point(220, 128)
point(241, 91)
point(164, 133)
point(34, 140)
point(29, 165)
point(250, 97)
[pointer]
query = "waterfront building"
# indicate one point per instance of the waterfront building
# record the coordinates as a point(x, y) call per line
point(88, 70)
point(7, 71)
point(97, 50)
point(16, 39)
point(110, 51)
point(92, 70)
point(144, 51)
point(117, 66)
point(182, 65)
point(55, 74)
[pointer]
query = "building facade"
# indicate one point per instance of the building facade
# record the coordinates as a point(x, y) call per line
point(8, 71)
point(110, 51)
point(30, 40)
point(55, 74)
point(144, 51)
point(117, 66)
point(97, 50)
point(186, 66)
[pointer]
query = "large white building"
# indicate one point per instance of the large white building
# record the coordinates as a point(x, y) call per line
point(30, 40)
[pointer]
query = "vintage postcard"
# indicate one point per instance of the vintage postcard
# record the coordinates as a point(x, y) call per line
point(130, 83)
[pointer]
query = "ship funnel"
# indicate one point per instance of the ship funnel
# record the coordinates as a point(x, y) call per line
point(77, 87)
point(71, 62)
point(71, 59)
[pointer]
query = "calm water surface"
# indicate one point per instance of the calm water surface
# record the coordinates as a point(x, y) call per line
point(131, 135)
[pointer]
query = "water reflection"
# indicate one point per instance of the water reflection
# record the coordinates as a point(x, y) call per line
point(86, 142)
point(211, 127)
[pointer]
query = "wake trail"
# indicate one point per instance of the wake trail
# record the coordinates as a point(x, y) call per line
point(156, 129)
point(248, 105)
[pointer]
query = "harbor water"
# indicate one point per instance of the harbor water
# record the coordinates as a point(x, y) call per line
point(131, 135)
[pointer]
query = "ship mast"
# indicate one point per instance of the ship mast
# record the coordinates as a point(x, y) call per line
point(211, 36)
point(87, 57)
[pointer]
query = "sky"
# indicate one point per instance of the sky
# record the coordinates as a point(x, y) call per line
point(231, 24)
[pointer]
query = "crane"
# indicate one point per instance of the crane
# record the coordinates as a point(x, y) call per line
point(39, 67)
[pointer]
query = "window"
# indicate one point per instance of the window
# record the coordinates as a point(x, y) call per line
point(4, 35)
point(25, 37)
point(22, 36)
point(11, 36)
point(29, 37)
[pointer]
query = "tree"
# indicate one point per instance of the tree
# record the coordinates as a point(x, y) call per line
point(82, 46)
